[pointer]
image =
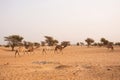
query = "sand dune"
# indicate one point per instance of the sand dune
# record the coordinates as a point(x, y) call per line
point(76, 63)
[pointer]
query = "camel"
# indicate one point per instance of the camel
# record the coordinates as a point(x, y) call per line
point(44, 50)
point(47, 48)
point(109, 46)
point(30, 49)
point(60, 48)
point(22, 49)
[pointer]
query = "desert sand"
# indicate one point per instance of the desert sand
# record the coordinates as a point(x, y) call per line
point(76, 63)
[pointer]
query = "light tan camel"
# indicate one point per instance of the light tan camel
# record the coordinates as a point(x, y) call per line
point(22, 49)
point(47, 48)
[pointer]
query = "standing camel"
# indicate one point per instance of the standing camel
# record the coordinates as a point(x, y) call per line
point(30, 49)
point(60, 48)
point(22, 49)
point(47, 48)
point(110, 46)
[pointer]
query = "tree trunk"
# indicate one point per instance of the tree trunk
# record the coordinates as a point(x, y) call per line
point(12, 48)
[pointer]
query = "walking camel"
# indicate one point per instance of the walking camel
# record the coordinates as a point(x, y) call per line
point(109, 46)
point(22, 49)
point(47, 48)
point(56, 49)
point(60, 48)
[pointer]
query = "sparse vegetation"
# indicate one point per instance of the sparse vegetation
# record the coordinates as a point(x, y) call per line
point(50, 41)
point(81, 43)
point(89, 41)
point(36, 44)
point(42, 43)
point(65, 43)
point(104, 41)
point(13, 40)
point(117, 43)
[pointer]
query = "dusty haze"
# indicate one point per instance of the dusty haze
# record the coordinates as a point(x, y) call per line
point(72, 20)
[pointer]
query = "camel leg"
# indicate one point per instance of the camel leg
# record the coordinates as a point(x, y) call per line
point(112, 48)
point(25, 52)
point(44, 51)
point(16, 52)
point(61, 51)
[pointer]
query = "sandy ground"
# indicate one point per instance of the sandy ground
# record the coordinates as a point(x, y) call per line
point(76, 63)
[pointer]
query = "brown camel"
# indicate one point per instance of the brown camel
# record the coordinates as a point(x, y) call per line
point(60, 48)
point(109, 46)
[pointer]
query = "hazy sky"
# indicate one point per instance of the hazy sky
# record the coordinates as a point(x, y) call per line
point(72, 20)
